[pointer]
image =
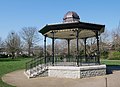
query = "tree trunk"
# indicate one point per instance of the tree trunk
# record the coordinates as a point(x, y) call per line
point(29, 51)
point(13, 55)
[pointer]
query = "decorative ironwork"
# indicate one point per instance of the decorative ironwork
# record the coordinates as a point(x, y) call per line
point(72, 28)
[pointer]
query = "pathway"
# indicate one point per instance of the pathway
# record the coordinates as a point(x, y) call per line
point(18, 79)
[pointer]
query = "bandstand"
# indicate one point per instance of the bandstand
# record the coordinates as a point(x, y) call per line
point(78, 66)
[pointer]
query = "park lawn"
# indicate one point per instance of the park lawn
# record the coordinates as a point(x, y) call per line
point(111, 62)
point(8, 65)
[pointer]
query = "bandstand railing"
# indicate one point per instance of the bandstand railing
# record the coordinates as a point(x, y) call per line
point(72, 60)
point(63, 61)
point(34, 62)
point(37, 66)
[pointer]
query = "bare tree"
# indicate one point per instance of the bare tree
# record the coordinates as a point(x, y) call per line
point(13, 43)
point(57, 47)
point(104, 37)
point(1, 45)
point(0, 42)
point(30, 36)
point(62, 47)
point(116, 38)
point(38, 51)
point(49, 50)
point(105, 41)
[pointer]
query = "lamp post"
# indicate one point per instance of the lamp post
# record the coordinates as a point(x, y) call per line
point(13, 45)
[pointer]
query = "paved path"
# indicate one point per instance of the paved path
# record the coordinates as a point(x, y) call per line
point(18, 79)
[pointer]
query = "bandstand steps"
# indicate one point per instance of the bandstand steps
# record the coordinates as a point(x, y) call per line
point(40, 70)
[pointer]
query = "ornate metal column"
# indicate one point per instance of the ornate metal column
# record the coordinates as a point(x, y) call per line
point(45, 49)
point(69, 49)
point(98, 52)
point(77, 54)
point(53, 47)
point(85, 49)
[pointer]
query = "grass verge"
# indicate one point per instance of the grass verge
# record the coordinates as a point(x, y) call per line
point(8, 65)
point(111, 62)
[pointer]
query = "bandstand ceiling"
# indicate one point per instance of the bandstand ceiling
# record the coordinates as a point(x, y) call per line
point(68, 30)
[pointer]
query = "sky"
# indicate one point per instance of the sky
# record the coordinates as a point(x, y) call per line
point(16, 14)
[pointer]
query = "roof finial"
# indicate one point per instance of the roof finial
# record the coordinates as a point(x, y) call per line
point(71, 16)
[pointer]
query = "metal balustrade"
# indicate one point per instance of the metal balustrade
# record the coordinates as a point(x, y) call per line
point(38, 66)
point(72, 60)
point(35, 67)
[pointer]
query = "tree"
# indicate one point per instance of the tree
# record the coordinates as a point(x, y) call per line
point(0, 42)
point(1, 45)
point(104, 37)
point(13, 43)
point(49, 49)
point(116, 38)
point(61, 47)
point(105, 41)
point(38, 51)
point(30, 36)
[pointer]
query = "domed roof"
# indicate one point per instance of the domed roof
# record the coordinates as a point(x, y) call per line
point(71, 16)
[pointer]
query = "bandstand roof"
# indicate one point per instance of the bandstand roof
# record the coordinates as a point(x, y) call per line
point(67, 30)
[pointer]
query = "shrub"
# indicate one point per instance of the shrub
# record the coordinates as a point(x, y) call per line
point(24, 55)
point(104, 54)
point(115, 55)
point(3, 56)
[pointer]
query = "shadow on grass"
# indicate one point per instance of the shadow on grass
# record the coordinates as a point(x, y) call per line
point(8, 59)
point(111, 68)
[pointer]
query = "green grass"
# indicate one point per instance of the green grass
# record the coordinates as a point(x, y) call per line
point(111, 62)
point(8, 65)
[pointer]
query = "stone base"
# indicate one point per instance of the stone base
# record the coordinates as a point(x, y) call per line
point(76, 72)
